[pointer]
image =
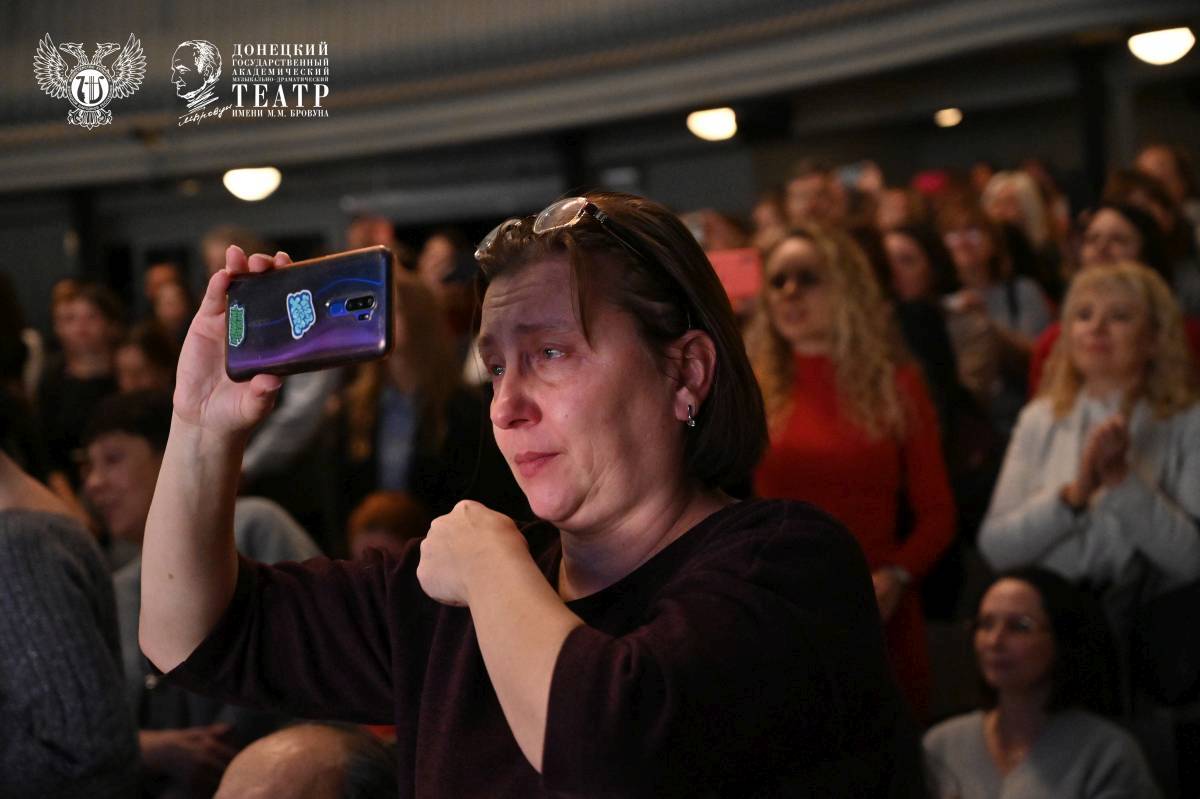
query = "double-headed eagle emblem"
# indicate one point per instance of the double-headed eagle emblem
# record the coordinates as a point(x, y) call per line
point(89, 85)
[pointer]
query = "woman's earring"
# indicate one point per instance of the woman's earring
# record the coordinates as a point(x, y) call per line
point(691, 420)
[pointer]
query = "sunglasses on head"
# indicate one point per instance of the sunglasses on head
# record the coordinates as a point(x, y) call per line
point(803, 278)
point(564, 214)
point(567, 213)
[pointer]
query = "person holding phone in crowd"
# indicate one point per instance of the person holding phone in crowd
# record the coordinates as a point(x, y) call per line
point(663, 640)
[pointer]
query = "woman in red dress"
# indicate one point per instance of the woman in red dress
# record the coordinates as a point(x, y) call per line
point(852, 427)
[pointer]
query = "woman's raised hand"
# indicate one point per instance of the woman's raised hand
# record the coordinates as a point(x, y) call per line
point(1104, 461)
point(1112, 462)
point(205, 397)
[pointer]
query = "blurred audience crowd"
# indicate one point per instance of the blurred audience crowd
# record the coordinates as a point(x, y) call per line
point(994, 391)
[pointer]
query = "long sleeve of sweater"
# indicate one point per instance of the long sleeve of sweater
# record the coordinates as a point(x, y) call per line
point(926, 484)
point(1154, 510)
point(1163, 527)
point(66, 728)
point(1026, 517)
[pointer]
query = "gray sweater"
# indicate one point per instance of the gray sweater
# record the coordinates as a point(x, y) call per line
point(65, 729)
point(1152, 512)
point(1077, 756)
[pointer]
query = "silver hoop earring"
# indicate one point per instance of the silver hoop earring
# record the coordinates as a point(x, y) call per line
point(691, 420)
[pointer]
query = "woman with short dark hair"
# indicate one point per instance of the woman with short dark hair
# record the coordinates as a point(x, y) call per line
point(657, 638)
point(1046, 664)
point(87, 323)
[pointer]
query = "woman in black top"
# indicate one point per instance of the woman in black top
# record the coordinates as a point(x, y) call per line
point(665, 641)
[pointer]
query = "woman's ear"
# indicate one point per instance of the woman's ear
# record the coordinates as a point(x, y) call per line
point(694, 362)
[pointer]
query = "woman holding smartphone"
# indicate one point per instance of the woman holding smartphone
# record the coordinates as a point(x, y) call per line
point(663, 640)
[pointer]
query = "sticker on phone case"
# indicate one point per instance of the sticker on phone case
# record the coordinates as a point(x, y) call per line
point(301, 312)
point(237, 324)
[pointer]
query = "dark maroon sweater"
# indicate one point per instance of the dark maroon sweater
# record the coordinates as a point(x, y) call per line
point(745, 659)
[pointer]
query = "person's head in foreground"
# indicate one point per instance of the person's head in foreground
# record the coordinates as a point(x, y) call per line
point(1041, 639)
point(312, 761)
point(1122, 332)
point(820, 297)
point(619, 377)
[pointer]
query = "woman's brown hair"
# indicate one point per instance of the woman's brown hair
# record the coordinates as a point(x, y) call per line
point(668, 290)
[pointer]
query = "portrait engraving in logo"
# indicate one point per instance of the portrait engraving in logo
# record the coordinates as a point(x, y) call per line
point(90, 85)
point(237, 324)
point(301, 312)
point(195, 70)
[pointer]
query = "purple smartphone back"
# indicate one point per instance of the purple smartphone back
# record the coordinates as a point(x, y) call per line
point(311, 315)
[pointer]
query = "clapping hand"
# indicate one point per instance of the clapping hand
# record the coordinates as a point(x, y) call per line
point(1105, 459)
point(1112, 451)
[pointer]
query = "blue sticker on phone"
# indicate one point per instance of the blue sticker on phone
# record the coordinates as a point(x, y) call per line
point(237, 324)
point(301, 312)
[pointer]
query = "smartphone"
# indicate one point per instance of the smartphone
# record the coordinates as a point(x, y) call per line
point(315, 314)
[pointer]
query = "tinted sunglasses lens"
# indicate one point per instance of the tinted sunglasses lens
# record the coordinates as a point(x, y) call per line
point(803, 279)
point(562, 214)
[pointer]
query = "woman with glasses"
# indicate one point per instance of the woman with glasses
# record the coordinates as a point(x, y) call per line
point(852, 428)
point(1044, 657)
point(1101, 482)
point(1011, 308)
point(1114, 233)
point(649, 636)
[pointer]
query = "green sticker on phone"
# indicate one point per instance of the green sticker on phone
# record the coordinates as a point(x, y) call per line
point(237, 325)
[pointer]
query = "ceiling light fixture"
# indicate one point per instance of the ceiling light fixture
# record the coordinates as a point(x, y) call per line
point(713, 124)
point(252, 184)
point(948, 117)
point(1162, 47)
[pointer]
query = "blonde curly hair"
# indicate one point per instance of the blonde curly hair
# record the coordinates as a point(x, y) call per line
point(864, 345)
point(1169, 385)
